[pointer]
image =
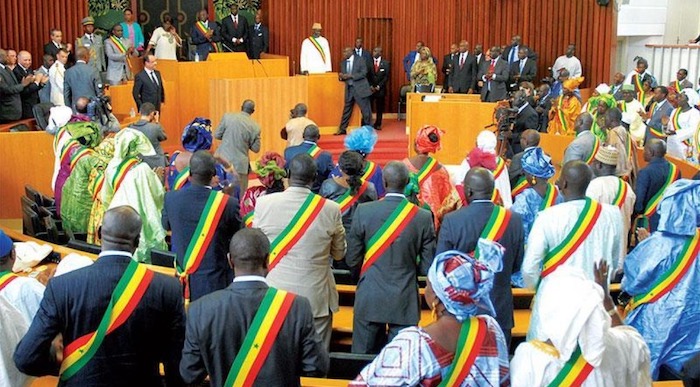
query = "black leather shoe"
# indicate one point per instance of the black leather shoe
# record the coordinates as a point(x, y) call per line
point(340, 133)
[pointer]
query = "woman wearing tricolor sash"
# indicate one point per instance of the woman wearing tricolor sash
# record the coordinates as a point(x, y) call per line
point(362, 140)
point(661, 276)
point(432, 178)
point(464, 346)
point(565, 109)
point(681, 126)
point(582, 344)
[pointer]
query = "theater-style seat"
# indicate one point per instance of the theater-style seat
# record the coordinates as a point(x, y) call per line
point(347, 365)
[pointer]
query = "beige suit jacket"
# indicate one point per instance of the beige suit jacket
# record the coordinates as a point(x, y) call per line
point(306, 269)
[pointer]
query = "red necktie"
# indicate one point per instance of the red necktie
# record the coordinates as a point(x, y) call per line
point(461, 61)
point(376, 66)
point(493, 65)
point(235, 23)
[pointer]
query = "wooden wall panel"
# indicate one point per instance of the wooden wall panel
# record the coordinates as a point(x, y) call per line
point(25, 24)
point(548, 26)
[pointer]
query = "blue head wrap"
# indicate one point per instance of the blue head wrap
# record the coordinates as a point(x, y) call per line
point(5, 244)
point(537, 164)
point(679, 209)
point(463, 283)
point(197, 135)
point(361, 140)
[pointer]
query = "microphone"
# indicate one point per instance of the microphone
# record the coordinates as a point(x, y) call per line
point(263, 68)
point(294, 67)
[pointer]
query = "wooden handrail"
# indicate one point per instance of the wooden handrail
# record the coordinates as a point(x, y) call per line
point(694, 46)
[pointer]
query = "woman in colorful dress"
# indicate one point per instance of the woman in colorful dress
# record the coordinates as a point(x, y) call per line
point(432, 178)
point(362, 140)
point(565, 109)
point(424, 71)
point(457, 291)
point(271, 174)
point(104, 152)
point(646, 96)
point(348, 189)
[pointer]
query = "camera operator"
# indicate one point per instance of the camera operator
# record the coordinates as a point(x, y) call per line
point(98, 110)
point(526, 118)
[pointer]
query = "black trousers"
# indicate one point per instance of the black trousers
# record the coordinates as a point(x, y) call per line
point(378, 102)
point(350, 101)
point(370, 337)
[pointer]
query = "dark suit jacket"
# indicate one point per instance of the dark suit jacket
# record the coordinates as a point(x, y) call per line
point(527, 119)
point(81, 80)
point(545, 103)
point(461, 229)
point(259, 40)
point(379, 78)
point(228, 32)
point(655, 121)
point(359, 78)
point(181, 213)
point(51, 49)
point(498, 85)
point(463, 78)
point(146, 91)
point(324, 162)
point(203, 44)
point(446, 62)
point(506, 53)
point(217, 325)
point(650, 180)
point(391, 280)
point(10, 100)
point(74, 305)
point(528, 74)
point(30, 94)
point(366, 55)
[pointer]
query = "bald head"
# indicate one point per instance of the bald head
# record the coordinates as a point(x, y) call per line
point(395, 176)
point(530, 138)
point(312, 133)
point(83, 54)
point(584, 121)
point(248, 252)
point(120, 229)
point(81, 105)
point(302, 171)
point(248, 106)
point(478, 184)
point(202, 167)
point(574, 180)
point(654, 148)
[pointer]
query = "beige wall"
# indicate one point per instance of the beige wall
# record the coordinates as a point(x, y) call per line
point(682, 21)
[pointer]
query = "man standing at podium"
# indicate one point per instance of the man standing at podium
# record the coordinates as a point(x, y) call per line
point(315, 53)
point(357, 91)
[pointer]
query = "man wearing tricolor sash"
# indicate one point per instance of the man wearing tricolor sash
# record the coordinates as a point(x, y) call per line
point(463, 346)
point(118, 319)
point(681, 82)
point(639, 75)
point(584, 343)
point(304, 230)
point(23, 293)
point(315, 53)
point(202, 222)
point(390, 243)
point(632, 110)
point(205, 35)
point(481, 218)
point(118, 49)
point(619, 137)
point(652, 181)
point(571, 234)
point(661, 276)
point(682, 124)
point(251, 334)
point(324, 159)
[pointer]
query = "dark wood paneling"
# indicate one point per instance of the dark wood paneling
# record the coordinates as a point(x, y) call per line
point(548, 26)
point(25, 24)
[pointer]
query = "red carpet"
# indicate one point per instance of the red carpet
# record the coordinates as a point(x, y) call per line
point(392, 144)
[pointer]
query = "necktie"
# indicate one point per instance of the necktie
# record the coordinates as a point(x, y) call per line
point(349, 66)
point(493, 65)
point(461, 61)
point(376, 65)
point(235, 22)
point(522, 64)
point(153, 78)
point(513, 51)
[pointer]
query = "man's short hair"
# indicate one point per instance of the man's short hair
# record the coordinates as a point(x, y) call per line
point(303, 168)
point(147, 58)
point(249, 249)
point(147, 108)
point(663, 89)
point(53, 30)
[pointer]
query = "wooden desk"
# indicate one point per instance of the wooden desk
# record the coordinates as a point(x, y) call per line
point(325, 100)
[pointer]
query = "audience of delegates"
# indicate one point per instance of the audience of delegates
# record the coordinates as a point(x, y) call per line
point(681, 81)
point(429, 178)
point(271, 173)
point(639, 75)
point(528, 139)
point(617, 84)
point(103, 154)
point(457, 291)
point(349, 189)
point(323, 159)
point(565, 109)
point(293, 130)
point(223, 328)
point(22, 293)
point(202, 221)
point(591, 104)
point(482, 219)
point(304, 230)
point(239, 133)
point(661, 276)
point(646, 96)
point(390, 243)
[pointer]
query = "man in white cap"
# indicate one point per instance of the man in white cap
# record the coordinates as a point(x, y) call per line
point(94, 43)
point(681, 125)
point(631, 107)
point(607, 188)
point(315, 53)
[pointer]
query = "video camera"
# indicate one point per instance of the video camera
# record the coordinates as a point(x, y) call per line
point(99, 109)
point(504, 117)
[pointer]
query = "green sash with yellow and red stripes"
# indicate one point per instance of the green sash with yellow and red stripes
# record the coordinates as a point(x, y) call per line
point(201, 238)
point(248, 219)
point(301, 222)
point(621, 195)
point(125, 297)
point(500, 167)
point(656, 199)
point(318, 47)
point(65, 155)
point(574, 372)
point(430, 166)
point(495, 226)
point(203, 29)
point(258, 340)
point(118, 44)
point(348, 200)
point(672, 276)
point(676, 119)
point(561, 116)
point(392, 227)
point(550, 197)
point(181, 179)
point(5, 278)
point(96, 184)
point(370, 168)
point(520, 186)
point(658, 133)
point(77, 155)
point(637, 80)
point(594, 151)
point(496, 197)
point(124, 167)
point(314, 151)
point(472, 336)
point(562, 252)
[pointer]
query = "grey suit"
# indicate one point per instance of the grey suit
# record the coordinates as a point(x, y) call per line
point(581, 148)
point(494, 89)
point(155, 135)
point(357, 90)
point(117, 68)
point(391, 280)
point(662, 110)
point(81, 80)
point(10, 100)
point(96, 48)
point(239, 133)
point(45, 92)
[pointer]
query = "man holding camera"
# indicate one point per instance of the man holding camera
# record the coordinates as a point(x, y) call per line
point(81, 80)
point(527, 118)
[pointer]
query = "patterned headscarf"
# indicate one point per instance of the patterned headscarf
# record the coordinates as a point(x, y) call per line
point(361, 140)
point(270, 168)
point(573, 83)
point(462, 283)
point(105, 151)
point(487, 141)
point(131, 143)
point(87, 133)
point(537, 164)
point(605, 99)
point(679, 209)
point(423, 142)
point(197, 135)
